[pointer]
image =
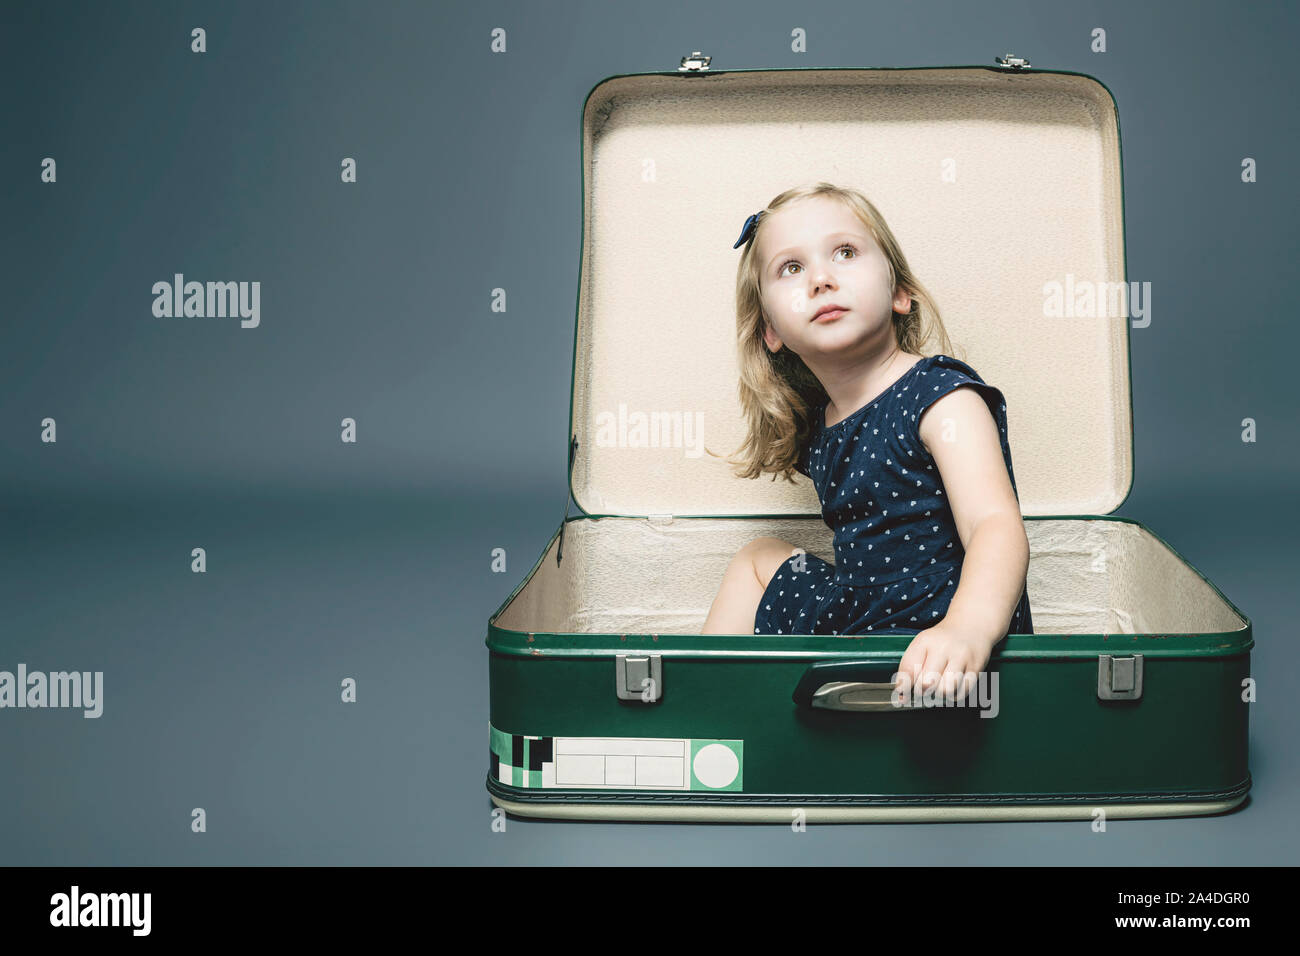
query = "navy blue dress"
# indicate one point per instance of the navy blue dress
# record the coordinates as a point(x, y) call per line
point(897, 551)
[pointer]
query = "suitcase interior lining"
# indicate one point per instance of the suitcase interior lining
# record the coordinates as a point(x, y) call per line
point(997, 186)
point(624, 575)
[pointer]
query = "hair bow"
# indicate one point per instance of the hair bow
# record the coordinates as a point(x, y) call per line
point(747, 233)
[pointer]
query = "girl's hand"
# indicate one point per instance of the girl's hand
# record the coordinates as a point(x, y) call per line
point(943, 655)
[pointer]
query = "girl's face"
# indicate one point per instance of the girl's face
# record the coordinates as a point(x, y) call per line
point(815, 253)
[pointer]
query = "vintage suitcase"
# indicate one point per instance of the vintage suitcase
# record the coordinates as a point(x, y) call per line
point(1003, 184)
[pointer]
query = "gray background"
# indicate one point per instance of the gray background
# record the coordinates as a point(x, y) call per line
point(371, 560)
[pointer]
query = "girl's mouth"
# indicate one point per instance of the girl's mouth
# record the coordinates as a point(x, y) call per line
point(830, 315)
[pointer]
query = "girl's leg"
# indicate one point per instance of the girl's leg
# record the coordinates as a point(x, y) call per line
point(743, 584)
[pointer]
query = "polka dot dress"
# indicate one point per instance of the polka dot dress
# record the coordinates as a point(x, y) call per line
point(897, 551)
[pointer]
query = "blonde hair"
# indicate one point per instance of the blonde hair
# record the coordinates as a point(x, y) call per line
point(778, 392)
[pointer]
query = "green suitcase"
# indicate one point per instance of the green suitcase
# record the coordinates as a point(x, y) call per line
point(1004, 184)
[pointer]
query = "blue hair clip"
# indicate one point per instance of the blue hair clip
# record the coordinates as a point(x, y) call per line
point(747, 233)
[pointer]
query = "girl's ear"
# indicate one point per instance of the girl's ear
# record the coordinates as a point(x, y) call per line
point(902, 301)
point(771, 338)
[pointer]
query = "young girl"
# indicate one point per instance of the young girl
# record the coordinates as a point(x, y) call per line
point(908, 451)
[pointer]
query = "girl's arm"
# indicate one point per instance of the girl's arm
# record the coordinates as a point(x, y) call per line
point(960, 433)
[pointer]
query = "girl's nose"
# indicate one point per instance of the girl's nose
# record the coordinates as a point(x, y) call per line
point(822, 281)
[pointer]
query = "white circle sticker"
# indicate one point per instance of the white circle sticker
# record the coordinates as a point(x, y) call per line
point(716, 765)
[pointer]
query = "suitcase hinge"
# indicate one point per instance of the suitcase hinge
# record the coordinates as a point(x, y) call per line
point(1119, 678)
point(659, 520)
point(639, 677)
point(697, 62)
point(1012, 62)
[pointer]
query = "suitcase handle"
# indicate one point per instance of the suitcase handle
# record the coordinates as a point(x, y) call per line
point(850, 685)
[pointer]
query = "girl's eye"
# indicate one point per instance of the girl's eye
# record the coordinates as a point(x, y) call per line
point(788, 262)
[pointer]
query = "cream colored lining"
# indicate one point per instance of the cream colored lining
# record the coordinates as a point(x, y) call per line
point(633, 576)
point(996, 185)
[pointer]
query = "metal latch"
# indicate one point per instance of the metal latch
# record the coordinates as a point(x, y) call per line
point(1119, 678)
point(697, 62)
point(639, 677)
point(660, 521)
point(1011, 61)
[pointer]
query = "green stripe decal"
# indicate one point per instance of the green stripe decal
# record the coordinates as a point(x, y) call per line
point(617, 763)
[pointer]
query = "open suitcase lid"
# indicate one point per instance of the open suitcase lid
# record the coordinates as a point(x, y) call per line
point(999, 184)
